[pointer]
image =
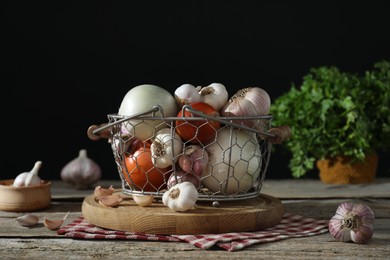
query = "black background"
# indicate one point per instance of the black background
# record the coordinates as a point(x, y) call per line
point(66, 65)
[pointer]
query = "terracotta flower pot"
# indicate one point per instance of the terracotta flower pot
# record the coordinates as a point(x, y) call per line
point(340, 170)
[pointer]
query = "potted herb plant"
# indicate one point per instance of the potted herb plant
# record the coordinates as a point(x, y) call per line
point(338, 120)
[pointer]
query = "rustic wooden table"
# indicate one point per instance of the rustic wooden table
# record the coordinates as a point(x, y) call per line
point(309, 198)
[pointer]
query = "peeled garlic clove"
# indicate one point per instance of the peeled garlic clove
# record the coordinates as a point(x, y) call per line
point(143, 200)
point(110, 200)
point(28, 220)
point(100, 191)
point(54, 224)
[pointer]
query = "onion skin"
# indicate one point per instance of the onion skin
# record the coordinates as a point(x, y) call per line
point(352, 222)
point(198, 131)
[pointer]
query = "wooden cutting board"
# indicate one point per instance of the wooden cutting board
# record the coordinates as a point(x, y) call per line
point(231, 216)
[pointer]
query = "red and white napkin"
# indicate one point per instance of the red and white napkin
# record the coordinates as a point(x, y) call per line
point(291, 226)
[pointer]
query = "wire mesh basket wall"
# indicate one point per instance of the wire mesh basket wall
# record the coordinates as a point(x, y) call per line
point(225, 162)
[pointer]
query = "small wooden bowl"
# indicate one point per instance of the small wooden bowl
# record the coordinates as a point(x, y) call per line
point(21, 199)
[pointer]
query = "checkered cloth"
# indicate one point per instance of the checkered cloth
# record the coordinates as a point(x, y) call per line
point(291, 226)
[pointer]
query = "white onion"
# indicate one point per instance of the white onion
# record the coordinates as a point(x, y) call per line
point(142, 98)
point(241, 172)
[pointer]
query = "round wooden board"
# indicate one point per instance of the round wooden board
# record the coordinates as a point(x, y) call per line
point(231, 216)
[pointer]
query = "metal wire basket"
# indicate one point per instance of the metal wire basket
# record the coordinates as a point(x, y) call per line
point(237, 155)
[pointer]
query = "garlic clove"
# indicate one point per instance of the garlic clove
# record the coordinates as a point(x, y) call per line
point(100, 191)
point(143, 200)
point(185, 163)
point(54, 224)
point(110, 200)
point(27, 220)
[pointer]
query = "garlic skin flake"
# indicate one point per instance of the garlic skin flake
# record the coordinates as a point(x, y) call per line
point(81, 172)
point(352, 222)
point(181, 197)
point(30, 178)
point(28, 220)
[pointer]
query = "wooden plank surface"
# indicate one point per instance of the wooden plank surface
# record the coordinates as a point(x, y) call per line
point(307, 189)
point(282, 189)
point(17, 242)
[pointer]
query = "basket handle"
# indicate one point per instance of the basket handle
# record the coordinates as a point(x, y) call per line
point(281, 134)
point(102, 132)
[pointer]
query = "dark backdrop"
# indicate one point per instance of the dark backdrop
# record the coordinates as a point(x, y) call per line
point(66, 65)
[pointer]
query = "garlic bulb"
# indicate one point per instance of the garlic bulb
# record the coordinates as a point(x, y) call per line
point(29, 178)
point(187, 94)
point(81, 172)
point(352, 222)
point(181, 197)
point(165, 148)
point(215, 95)
point(251, 101)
